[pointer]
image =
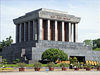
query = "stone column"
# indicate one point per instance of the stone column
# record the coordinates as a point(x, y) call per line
point(75, 32)
point(33, 30)
point(48, 29)
point(70, 32)
point(55, 30)
point(62, 31)
point(25, 32)
point(17, 33)
point(29, 31)
point(20, 33)
point(40, 22)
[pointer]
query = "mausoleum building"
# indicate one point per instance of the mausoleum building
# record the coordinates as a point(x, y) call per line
point(42, 29)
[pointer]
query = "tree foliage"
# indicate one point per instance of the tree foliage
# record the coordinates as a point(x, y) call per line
point(6, 43)
point(54, 54)
point(4, 61)
point(88, 42)
point(94, 43)
point(73, 60)
point(16, 61)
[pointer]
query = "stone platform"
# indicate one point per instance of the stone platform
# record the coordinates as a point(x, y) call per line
point(31, 51)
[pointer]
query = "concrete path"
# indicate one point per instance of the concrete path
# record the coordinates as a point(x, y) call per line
point(53, 73)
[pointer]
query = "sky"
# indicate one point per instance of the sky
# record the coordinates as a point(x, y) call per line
point(88, 10)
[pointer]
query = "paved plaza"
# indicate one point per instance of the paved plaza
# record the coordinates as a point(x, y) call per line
point(53, 73)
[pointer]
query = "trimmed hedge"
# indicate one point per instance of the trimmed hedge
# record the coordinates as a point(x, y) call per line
point(27, 65)
point(0, 68)
point(6, 68)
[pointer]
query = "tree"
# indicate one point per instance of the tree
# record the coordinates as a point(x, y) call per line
point(16, 61)
point(88, 42)
point(96, 43)
point(73, 60)
point(54, 54)
point(0, 46)
point(6, 43)
point(4, 61)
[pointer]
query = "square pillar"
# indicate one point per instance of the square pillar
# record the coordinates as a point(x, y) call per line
point(70, 32)
point(25, 31)
point(40, 22)
point(29, 31)
point(62, 31)
point(55, 24)
point(75, 32)
point(17, 33)
point(48, 29)
point(33, 30)
point(21, 33)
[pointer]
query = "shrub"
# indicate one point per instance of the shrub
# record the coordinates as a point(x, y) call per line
point(81, 66)
point(21, 64)
point(87, 65)
point(4, 61)
point(57, 65)
point(63, 65)
point(54, 54)
point(0, 68)
point(37, 65)
point(51, 64)
point(14, 62)
point(92, 67)
point(98, 66)
point(7, 68)
point(17, 60)
point(81, 63)
point(76, 64)
point(73, 60)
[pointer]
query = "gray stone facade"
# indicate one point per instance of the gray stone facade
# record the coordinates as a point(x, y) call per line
point(31, 52)
point(33, 37)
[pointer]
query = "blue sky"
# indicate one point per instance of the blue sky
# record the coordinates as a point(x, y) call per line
point(88, 10)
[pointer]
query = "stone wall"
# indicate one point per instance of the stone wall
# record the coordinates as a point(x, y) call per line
point(31, 52)
point(15, 50)
point(62, 45)
point(89, 55)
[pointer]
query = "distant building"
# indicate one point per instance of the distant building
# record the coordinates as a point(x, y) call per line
point(42, 29)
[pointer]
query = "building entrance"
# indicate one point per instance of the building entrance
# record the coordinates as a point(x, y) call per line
point(79, 58)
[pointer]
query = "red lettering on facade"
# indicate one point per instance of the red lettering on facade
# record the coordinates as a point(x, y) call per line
point(52, 16)
point(60, 17)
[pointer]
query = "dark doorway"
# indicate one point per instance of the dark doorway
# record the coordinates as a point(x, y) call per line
point(79, 58)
